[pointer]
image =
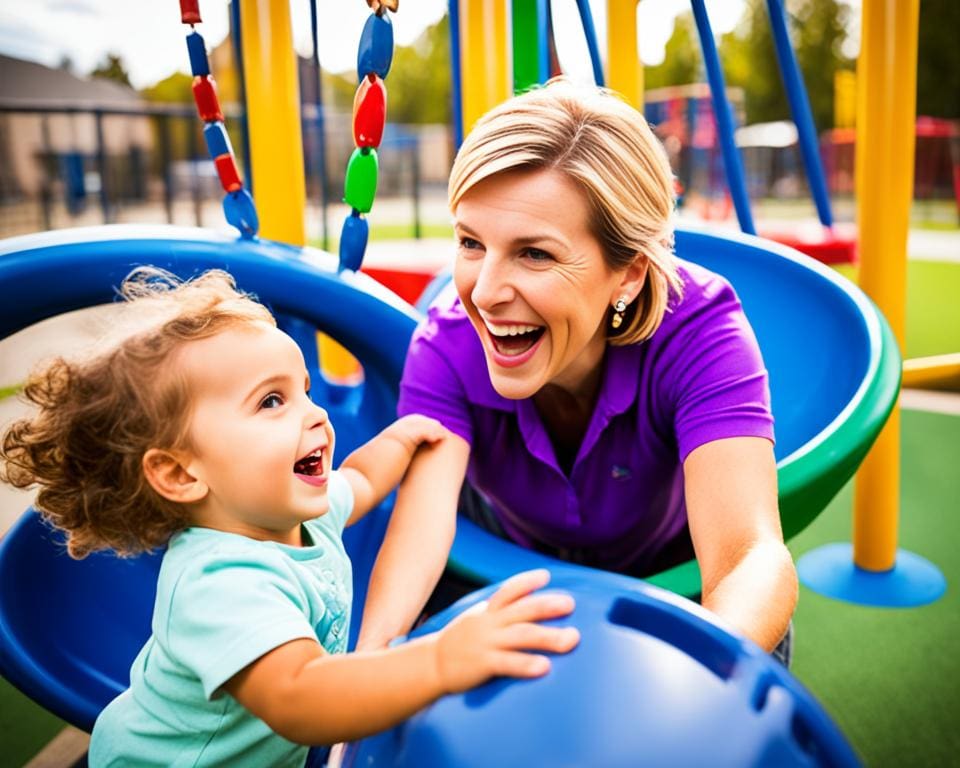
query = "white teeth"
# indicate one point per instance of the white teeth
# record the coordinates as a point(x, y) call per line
point(511, 330)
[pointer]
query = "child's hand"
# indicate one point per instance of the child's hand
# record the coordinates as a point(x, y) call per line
point(414, 429)
point(491, 638)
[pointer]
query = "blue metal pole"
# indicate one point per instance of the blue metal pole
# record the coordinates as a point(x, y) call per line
point(453, 16)
point(800, 108)
point(590, 33)
point(732, 162)
point(242, 88)
point(543, 40)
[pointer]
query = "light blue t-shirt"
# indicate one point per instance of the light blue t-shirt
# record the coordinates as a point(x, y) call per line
point(224, 600)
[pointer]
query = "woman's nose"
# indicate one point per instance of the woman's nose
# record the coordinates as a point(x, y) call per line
point(492, 283)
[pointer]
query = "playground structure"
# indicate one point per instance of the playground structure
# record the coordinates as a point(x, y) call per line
point(831, 438)
point(794, 303)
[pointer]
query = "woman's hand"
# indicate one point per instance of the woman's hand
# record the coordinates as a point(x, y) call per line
point(492, 638)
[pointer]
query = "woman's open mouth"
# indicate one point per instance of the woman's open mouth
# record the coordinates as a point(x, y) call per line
point(513, 344)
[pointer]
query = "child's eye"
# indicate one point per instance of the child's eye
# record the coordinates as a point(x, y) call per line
point(273, 400)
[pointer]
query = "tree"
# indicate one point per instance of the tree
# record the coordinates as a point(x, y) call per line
point(817, 30)
point(177, 88)
point(681, 63)
point(938, 59)
point(420, 87)
point(112, 68)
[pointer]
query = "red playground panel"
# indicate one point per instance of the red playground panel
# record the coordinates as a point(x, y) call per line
point(408, 285)
point(407, 267)
point(829, 245)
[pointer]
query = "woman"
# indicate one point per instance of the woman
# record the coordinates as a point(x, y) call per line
point(609, 400)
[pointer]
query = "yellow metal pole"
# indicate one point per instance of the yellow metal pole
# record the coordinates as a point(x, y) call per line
point(625, 73)
point(273, 118)
point(886, 110)
point(485, 77)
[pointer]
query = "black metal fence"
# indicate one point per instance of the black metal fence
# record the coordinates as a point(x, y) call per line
point(149, 163)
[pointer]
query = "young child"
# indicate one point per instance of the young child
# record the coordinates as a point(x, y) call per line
point(193, 428)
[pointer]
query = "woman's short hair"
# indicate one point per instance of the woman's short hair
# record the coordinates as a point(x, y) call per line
point(96, 417)
point(607, 147)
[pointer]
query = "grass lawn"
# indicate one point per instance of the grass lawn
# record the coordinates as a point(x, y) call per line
point(389, 231)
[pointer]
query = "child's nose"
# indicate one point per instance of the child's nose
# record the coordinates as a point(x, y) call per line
point(317, 416)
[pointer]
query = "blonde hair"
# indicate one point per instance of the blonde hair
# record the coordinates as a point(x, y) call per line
point(96, 417)
point(607, 147)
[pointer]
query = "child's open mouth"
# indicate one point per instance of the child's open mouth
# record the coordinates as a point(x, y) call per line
point(513, 340)
point(310, 468)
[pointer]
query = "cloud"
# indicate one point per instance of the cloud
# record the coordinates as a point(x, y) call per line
point(25, 41)
point(76, 7)
point(149, 37)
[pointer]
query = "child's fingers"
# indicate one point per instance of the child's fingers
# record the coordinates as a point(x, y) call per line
point(517, 586)
point(519, 664)
point(537, 607)
point(536, 637)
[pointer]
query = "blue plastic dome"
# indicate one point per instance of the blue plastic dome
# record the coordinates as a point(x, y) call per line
point(654, 682)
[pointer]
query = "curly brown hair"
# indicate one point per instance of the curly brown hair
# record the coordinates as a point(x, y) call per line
point(96, 417)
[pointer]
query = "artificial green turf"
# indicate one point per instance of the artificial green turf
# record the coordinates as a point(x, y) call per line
point(25, 727)
point(891, 677)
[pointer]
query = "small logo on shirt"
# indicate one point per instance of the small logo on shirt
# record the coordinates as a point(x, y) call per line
point(620, 473)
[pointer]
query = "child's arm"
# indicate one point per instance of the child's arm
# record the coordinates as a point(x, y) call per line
point(377, 467)
point(311, 697)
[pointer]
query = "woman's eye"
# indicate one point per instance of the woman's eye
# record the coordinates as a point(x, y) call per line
point(535, 254)
point(273, 400)
point(469, 243)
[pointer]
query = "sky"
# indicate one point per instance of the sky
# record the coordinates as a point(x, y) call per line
point(148, 35)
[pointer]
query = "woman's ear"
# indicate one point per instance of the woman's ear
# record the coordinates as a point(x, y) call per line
point(168, 476)
point(632, 280)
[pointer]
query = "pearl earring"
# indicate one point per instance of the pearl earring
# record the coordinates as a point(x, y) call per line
point(618, 309)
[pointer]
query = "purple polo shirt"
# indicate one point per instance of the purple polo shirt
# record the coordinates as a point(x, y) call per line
point(699, 378)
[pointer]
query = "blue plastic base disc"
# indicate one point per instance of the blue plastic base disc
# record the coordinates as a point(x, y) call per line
point(830, 570)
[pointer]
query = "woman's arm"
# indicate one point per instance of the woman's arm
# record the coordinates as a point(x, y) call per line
point(377, 467)
point(749, 579)
point(311, 697)
point(417, 542)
